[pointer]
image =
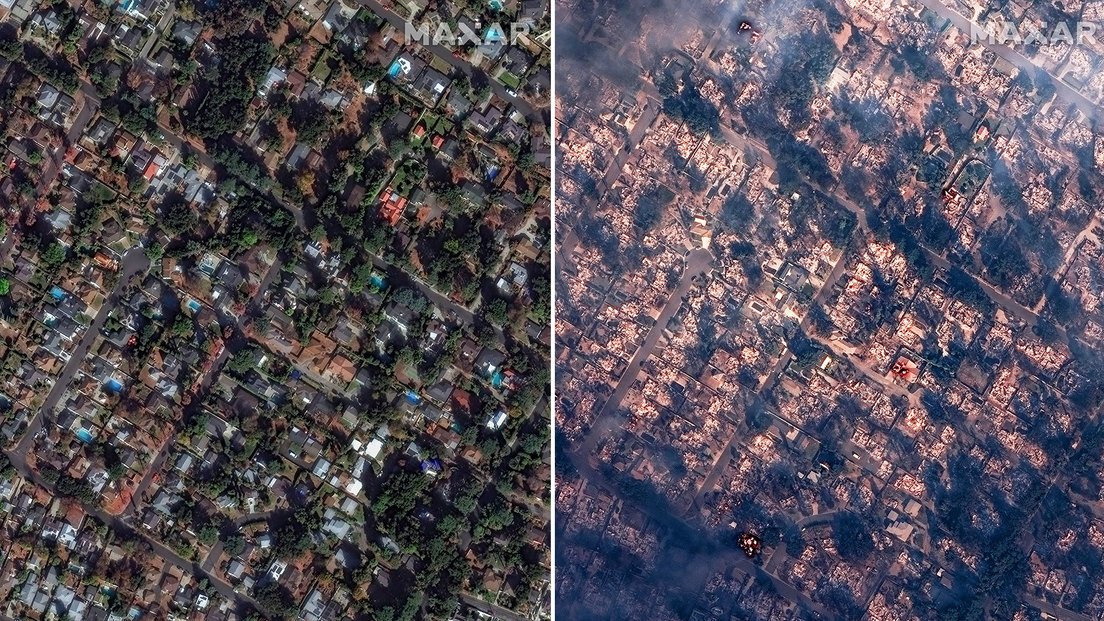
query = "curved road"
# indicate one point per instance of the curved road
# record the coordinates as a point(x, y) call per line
point(123, 528)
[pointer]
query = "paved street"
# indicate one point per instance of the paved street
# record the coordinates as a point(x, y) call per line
point(966, 25)
point(126, 531)
point(698, 263)
point(713, 560)
point(498, 611)
point(533, 115)
point(54, 161)
point(134, 262)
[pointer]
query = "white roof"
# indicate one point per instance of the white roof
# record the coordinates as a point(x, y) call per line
point(375, 447)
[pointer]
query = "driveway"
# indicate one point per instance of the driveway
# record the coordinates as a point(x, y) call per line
point(698, 262)
point(133, 263)
point(531, 114)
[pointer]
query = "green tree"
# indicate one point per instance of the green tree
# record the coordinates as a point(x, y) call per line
point(242, 362)
point(496, 311)
point(54, 256)
point(155, 252)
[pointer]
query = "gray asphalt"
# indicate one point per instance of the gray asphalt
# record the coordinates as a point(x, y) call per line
point(1065, 91)
point(497, 612)
point(133, 263)
point(698, 262)
point(525, 108)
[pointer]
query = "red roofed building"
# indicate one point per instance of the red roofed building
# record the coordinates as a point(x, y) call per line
point(106, 262)
point(392, 206)
point(154, 167)
point(905, 370)
point(438, 141)
point(151, 171)
point(419, 130)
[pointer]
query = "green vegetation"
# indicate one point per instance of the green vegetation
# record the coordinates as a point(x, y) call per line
point(458, 255)
point(67, 486)
point(496, 311)
point(179, 217)
point(55, 70)
point(294, 537)
point(274, 600)
point(394, 507)
point(312, 122)
point(54, 256)
point(229, 85)
point(242, 362)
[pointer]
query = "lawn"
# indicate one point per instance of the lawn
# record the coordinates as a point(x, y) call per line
point(321, 70)
point(509, 80)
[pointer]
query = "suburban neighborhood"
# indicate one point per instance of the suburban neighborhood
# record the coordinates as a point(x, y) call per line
point(275, 312)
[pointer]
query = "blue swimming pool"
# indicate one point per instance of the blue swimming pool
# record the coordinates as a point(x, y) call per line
point(114, 385)
point(84, 435)
point(57, 293)
point(395, 70)
point(496, 5)
point(194, 305)
point(497, 378)
point(378, 282)
point(413, 397)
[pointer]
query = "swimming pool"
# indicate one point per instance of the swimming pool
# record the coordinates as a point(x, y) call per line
point(378, 282)
point(497, 378)
point(395, 70)
point(114, 385)
point(194, 305)
point(57, 293)
point(84, 435)
point(413, 397)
